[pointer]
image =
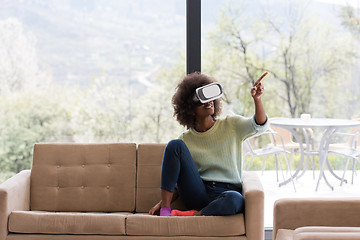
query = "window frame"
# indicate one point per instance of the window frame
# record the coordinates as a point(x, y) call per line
point(193, 36)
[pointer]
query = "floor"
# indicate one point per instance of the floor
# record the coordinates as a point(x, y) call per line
point(305, 187)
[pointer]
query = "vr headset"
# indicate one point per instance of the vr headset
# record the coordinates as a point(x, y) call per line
point(208, 93)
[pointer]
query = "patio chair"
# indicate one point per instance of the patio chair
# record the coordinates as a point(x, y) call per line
point(349, 150)
point(275, 149)
point(346, 144)
point(289, 144)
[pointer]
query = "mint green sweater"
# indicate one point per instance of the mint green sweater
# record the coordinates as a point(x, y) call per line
point(217, 152)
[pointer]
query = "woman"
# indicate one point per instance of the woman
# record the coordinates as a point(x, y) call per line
point(203, 166)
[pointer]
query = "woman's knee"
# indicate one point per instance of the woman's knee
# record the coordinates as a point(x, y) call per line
point(172, 153)
point(175, 145)
point(235, 201)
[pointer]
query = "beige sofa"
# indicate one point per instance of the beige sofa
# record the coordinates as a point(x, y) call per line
point(104, 191)
point(316, 219)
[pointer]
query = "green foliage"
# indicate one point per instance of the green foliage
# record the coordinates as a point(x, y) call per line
point(154, 120)
point(351, 19)
point(103, 112)
point(307, 59)
point(336, 162)
point(109, 112)
point(28, 117)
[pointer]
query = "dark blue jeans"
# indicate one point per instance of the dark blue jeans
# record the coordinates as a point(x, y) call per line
point(214, 199)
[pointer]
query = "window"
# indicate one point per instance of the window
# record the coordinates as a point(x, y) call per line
point(310, 49)
point(87, 71)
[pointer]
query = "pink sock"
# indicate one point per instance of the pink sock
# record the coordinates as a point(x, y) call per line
point(165, 212)
point(183, 213)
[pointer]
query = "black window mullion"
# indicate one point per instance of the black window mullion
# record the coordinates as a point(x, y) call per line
point(193, 36)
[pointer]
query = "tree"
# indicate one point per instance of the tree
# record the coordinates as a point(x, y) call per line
point(234, 59)
point(19, 68)
point(303, 53)
point(350, 19)
point(28, 114)
point(103, 112)
point(154, 121)
point(109, 111)
point(29, 117)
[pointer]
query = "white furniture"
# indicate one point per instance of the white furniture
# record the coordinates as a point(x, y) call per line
point(275, 149)
point(289, 144)
point(329, 125)
point(350, 151)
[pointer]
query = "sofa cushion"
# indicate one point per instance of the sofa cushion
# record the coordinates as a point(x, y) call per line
point(205, 226)
point(16, 236)
point(67, 223)
point(148, 177)
point(284, 234)
point(292, 213)
point(326, 233)
point(83, 177)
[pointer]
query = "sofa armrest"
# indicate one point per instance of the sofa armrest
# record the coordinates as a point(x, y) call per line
point(327, 233)
point(253, 193)
point(14, 195)
point(295, 213)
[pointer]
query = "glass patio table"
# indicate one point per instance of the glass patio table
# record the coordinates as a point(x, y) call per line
point(329, 125)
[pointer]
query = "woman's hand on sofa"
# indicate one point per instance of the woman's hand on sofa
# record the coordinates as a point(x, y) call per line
point(155, 210)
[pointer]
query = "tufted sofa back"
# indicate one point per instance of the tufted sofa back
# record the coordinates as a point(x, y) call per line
point(148, 175)
point(150, 156)
point(83, 177)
